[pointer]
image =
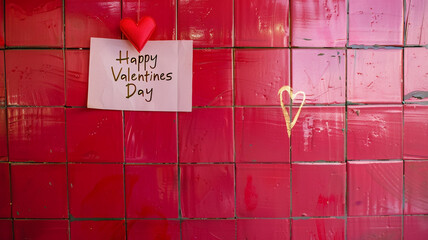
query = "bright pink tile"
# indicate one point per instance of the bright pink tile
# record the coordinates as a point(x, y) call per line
point(319, 134)
point(2, 73)
point(375, 188)
point(253, 229)
point(212, 77)
point(3, 135)
point(318, 228)
point(415, 227)
point(36, 134)
point(208, 229)
point(415, 132)
point(41, 229)
point(77, 72)
point(261, 23)
point(153, 229)
point(376, 23)
point(415, 74)
point(162, 11)
point(374, 228)
point(259, 74)
point(155, 141)
point(263, 190)
point(375, 76)
point(94, 135)
point(200, 132)
point(374, 132)
point(96, 190)
point(95, 18)
point(415, 194)
point(39, 191)
point(5, 208)
point(207, 191)
point(98, 230)
point(320, 74)
point(151, 191)
point(35, 77)
point(208, 23)
point(318, 189)
point(6, 229)
point(318, 23)
point(34, 23)
point(416, 22)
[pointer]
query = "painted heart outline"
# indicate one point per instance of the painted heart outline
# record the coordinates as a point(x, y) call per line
point(284, 110)
point(138, 33)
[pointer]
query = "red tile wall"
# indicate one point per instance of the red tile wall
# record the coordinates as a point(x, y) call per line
point(354, 167)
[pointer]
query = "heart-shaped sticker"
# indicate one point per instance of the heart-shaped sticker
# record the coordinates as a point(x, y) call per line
point(138, 33)
point(284, 110)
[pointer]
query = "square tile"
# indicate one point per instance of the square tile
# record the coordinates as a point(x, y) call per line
point(36, 134)
point(415, 227)
point(207, 191)
point(39, 191)
point(415, 132)
point(98, 230)
point(153, 229)
point(208, 229)
point(374, 228)
point(318, 189)
point(77, 72)
point(416, 74)
point(261, 23)
point(199, 134)
point(415, 20)
point(318, 228)
point(35, 77)
point(375, 188)
point(253, 229)
point(96, 190)
point(5, 207)
point(41, 229)
point(374, 132)
point(415, 194)
point(3, 135)
point(6, 229)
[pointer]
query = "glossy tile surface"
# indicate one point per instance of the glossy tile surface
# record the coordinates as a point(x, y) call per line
point(415, 132)
point(415, 227)
point(374, 228)
point(2, 77)
point(5, 207)
point(3, 135)
point(208, 229)
point(153, 229)
point(98, 230)
point(6, 232)
point(416, 22)
point(416, 74)
point(415, 195)
point(76, 77)
point(318, 228)
point(41, 229)
point(253, 229)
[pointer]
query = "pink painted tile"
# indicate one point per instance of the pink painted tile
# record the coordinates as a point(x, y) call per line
point(208, 229)
point(415, 194)
point(318, 228)
point(375, 188)
point(200, 132)
point(415, 74)
point(415, 132)
point(77, 72)
point(5, 207)
point(375, 22)
point(207, 191)
point(263, 190)
point(416, 22)
point(319, 134)
point(36, 134)
point(253, 229)
point(208, 23)
point(2, 73)
point(415, 227)
point(374, 132)
point(318, 23)
point(162, 11)
point(375, 76)
point(96, 190)
point(39, 191)
point(3, 135)
point(98, 230)
point(95, 18)
point(374, 228)
point(35, 77)
point(34, 23)
point(261, 23)
point(261, 135)
point(212, 77)
point(150, 137)
point(259, 74)
point(6, 229)
point(41, 229)
point(153, 229)
point(320, 74)
point(318, 189)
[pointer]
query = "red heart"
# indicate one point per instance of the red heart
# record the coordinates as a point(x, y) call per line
point(138, 33)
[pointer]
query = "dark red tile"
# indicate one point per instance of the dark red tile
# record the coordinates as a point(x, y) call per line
point(374, 132)
point(39, 191)
point(253, 229)
point(415, 20)
point(415, 194)
point(41, 229)
point(259, 74)
point(319, 134)
point(2, 40)
point(415, 227)
point(77, 72)
point(318, 228)
point(96, 190)
point(375, 188)
point(318, 189)
point(35, 77)
point(208, 23)
point(263, 190)
point(98, 230)
point(5, 207)
point(3, 135)
point(34, 23)
point(374, 228)
point(415, 132)
point(208, 229)
point(2, 72)
point(415, 74)
point(199, 134)
point(6, 229)
point(207, 191)
point(36, 134)
point(153, 229)
point(261, 23)
point(212, 77)
point(94, 136)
